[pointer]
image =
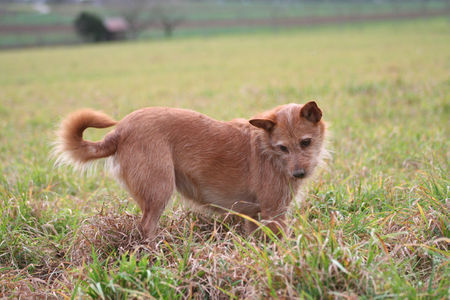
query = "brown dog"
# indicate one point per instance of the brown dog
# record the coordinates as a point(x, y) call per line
point(252, 167)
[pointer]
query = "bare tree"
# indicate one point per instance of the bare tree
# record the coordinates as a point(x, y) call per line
point(143, 14)
point(165, 14)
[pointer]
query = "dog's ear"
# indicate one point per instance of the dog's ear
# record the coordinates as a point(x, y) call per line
point(265, 124)
point(311, 112)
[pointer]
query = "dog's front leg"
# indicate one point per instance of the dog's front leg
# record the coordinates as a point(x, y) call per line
point(273, 214)
point(250, 226)
point(275, 222)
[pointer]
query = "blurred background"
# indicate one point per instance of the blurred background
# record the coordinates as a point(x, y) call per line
point(25, 23)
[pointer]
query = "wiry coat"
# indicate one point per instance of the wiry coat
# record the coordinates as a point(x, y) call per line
point(252, 167)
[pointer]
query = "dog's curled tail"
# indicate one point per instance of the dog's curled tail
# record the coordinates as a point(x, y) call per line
point(71, 149)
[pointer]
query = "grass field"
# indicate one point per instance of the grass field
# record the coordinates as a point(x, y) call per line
point(374, 223)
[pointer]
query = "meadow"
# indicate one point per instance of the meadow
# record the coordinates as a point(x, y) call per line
point(373, 224)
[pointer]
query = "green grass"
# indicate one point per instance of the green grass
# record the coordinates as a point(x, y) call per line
point(39, 39)
point(373, 224)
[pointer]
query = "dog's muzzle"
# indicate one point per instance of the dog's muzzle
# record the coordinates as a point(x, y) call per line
point(300, 173)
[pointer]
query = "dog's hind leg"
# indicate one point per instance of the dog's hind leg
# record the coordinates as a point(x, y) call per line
point(150, 179)
point(151, 212)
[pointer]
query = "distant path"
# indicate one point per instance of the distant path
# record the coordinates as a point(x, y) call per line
point(281, 22)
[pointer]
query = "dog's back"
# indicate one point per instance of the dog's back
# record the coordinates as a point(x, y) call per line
point(210, 159)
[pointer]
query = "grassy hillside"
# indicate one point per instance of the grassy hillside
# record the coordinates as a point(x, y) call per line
point(374, 223)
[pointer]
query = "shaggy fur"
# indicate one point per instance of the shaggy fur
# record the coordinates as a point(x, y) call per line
point(252, 167)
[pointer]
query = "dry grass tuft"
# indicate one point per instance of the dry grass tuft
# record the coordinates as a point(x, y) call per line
point(20, 284)
point(106, 233)
point(119, 233)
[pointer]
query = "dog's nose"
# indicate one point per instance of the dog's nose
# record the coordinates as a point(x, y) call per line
point(300, 173)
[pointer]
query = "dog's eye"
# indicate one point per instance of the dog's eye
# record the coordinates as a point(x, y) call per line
point(283, 148)
point(305, 142)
